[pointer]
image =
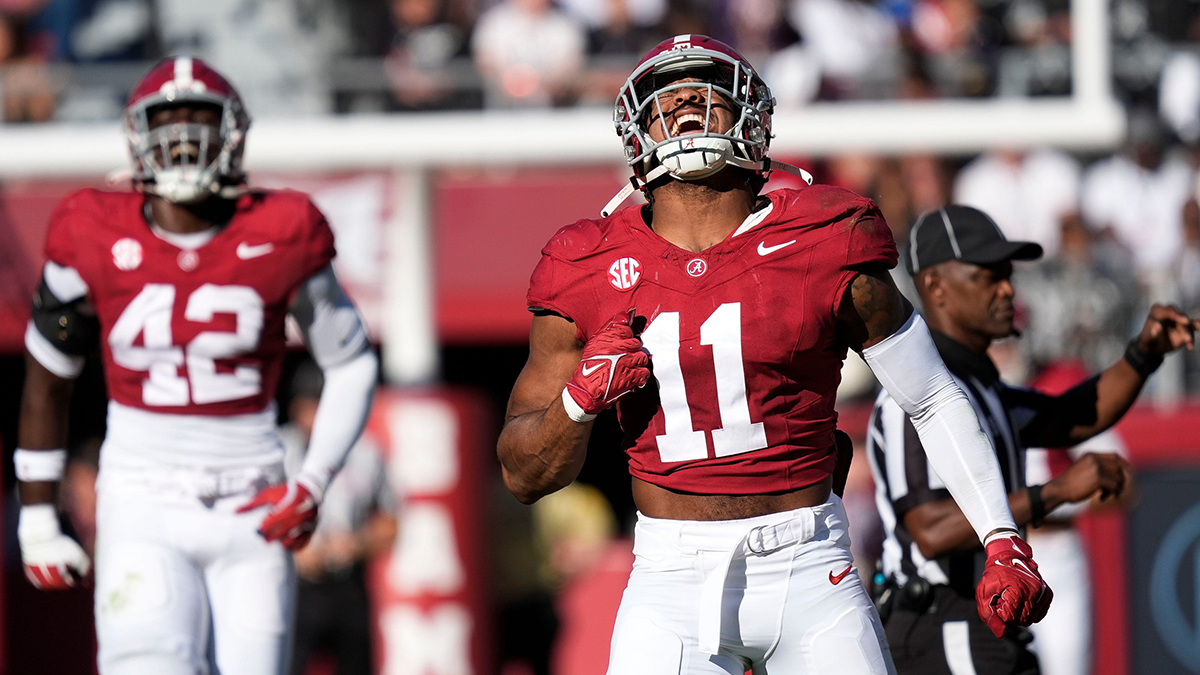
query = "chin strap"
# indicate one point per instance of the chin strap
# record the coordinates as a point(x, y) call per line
point(224, 192)
point(766, 165)
point(771, 165)
point(634, 184)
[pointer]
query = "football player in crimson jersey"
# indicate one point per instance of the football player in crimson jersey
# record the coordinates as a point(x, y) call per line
point(716, 320)
point(184, 284)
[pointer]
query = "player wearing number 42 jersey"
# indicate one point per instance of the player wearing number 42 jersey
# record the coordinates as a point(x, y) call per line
point(184, 285)
point(715, 321)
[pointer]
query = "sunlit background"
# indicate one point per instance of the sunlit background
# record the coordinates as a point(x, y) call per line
point(446, 140)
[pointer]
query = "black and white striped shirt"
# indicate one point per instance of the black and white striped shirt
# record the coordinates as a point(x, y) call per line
point(904, 479)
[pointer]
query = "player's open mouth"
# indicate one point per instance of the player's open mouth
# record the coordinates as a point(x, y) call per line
point(189, 150)
point(688, 123)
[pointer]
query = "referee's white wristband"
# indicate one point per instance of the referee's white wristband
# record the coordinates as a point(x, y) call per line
point(573, 410)
point(34, 466)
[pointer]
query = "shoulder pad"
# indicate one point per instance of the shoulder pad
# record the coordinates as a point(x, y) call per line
point(577, 240)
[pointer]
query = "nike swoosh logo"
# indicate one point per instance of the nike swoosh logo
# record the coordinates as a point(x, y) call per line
point(837, 579)
point(1020, 565)
point(246, 251)
point(589, 370)
point(763, 249)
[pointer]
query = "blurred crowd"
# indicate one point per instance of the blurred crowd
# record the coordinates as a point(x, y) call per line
point(1120, 232)
point(75, 59)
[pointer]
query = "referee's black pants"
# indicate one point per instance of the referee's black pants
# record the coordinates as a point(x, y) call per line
point(334, 617)
point(950, 633)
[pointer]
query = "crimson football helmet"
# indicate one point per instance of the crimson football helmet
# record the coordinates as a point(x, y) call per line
point(186, 163)
point(691, 155)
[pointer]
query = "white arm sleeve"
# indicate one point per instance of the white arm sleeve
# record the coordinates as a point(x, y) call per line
point(333, 330)
point(338, 342)
point(911, 370)
point(341, 415)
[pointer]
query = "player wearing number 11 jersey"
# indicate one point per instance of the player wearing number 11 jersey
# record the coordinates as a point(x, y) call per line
point(184, 285)
point(716, 320)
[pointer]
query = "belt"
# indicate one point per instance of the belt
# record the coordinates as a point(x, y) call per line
point(759, 541)
point(209, 485)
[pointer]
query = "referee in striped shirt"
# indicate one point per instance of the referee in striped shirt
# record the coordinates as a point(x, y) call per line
point(961, 266)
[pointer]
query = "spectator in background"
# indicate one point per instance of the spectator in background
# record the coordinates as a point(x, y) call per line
point(26, 91)
point(529, 54)
point(793, 74)
point(855, 42)
point(1080, 303)
point(616, 17)
point(1027, 193)
point(358, 522)
point(1138, 198)
point(757, 26)
point(419, 62)
point(278, 52)
point(1179, 95)
point(628, 30)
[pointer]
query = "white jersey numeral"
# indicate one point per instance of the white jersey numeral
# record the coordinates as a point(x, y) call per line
point(209, 386)
point(737, 434)
point(149, 315)
point(681, 442)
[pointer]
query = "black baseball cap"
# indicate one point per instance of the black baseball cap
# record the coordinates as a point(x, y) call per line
point(956, 232)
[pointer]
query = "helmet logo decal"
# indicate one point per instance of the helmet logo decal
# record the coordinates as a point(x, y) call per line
point(696, 267)
point(127, 254)
point(682, 42)
point(625, 273)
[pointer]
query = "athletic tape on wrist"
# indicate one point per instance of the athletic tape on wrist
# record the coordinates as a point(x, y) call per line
point(1002, 534)
point(37, 523)
point(39, 465)
point(573, 410)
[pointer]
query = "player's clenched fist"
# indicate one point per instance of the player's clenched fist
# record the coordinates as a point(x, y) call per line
point(1011, 591)
point(613, 364)
point(293, 515)
point(52, 560)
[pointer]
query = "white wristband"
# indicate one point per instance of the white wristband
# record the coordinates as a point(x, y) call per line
point(39, 465)
point(573, 410)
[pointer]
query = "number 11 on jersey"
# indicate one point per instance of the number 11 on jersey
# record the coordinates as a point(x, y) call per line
point(723, 331)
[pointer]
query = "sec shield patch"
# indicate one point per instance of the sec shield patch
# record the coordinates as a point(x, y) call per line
point(127, 254)
point(625, 273)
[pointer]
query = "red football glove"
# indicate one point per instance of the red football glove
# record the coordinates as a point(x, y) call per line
point(1011, 590)
point(294, 517)
point(613, 364)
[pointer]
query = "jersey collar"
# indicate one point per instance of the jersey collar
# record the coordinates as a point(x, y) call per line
point(962, 361)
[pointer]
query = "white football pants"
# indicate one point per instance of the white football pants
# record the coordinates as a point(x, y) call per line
point(1063, 640)
point(753, 594)
point(181, 586)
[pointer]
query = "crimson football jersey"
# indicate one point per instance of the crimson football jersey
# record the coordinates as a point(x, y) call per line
point(742, 336)
point(191, 331)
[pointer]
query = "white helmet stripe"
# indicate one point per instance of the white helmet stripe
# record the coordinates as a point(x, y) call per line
point(183, 73)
